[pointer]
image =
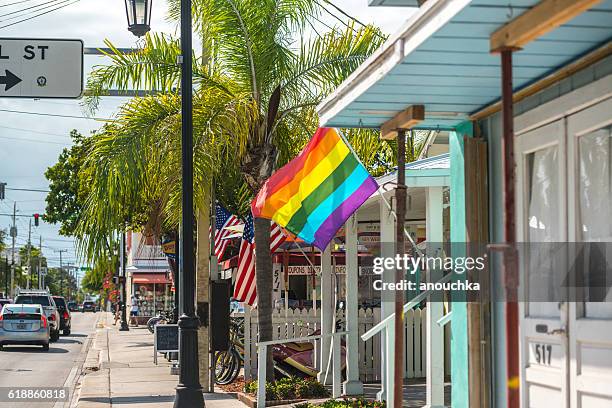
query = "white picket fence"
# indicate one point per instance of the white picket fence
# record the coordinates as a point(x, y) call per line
point(303, 322)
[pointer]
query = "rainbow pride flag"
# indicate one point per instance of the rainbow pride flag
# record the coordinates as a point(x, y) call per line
point(315, 193)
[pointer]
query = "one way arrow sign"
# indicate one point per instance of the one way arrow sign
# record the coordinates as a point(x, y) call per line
point(41, 68)
point(9, 80)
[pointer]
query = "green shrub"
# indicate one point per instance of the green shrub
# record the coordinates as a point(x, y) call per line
point(347, 403)
point(290, 389)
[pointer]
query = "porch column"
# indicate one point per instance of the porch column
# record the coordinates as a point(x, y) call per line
point(435, 332)
point(387, 250)
point(463, 380)
point(327, 311)
point(352, 385)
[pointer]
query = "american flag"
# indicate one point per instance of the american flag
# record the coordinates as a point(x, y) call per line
point(223, 219)
point(245, 289)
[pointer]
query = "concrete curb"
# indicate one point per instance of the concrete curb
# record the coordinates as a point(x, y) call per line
point(95, 386)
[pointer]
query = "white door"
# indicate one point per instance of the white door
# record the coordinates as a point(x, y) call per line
point(590, 219)
point(542, 222)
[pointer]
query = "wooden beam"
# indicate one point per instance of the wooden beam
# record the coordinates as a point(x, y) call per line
point(539, 20)
point(406, 119)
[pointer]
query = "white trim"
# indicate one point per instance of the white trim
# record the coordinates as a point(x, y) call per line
point(433, 15)
point(564, 105)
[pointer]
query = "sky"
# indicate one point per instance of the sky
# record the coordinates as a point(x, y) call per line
point(29, 144)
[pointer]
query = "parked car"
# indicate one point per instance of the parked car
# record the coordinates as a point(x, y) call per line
point(4, 302)
point(24, 324)
point(89, 306)
point(73, 306)
point(43, 298)
point(64, 313)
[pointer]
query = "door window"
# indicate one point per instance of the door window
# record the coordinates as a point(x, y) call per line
point(595, 219)
point(543, 231)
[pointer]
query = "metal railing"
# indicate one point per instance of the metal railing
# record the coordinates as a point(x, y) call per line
point(410, 305)
point(388, 325)
point(336, 362)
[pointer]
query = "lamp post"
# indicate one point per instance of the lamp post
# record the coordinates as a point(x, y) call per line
point(189, 390)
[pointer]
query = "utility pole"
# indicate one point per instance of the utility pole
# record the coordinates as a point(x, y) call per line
point(6, 276)
point(28, 277)
point(13, 236)
point(61, 271)
point(40, 283)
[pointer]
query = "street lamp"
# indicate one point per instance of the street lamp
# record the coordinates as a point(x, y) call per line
point(138, 16)
point(188, 390)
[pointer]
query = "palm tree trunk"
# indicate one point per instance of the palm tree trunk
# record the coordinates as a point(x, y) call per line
point(263, 280)
point(203, 291)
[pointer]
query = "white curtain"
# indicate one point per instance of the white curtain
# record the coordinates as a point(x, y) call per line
point(595, 192)
point(544, 230)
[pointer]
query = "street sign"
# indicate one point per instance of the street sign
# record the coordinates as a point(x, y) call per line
point(41, 68)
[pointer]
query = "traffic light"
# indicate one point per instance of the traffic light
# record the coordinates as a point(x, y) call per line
point(36, 217)
point(2, 190)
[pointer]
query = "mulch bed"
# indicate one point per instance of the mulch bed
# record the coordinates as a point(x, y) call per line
point(236, 386)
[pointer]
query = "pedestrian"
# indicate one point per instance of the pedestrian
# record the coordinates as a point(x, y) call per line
point(117, 312)
point(134, 312)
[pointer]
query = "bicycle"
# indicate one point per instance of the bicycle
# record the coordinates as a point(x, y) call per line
point(229, 362)
point(161, 318)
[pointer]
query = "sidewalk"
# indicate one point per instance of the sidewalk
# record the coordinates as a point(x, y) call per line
point(121, 373)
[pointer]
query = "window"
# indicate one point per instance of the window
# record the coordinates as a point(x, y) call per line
point(33, 300)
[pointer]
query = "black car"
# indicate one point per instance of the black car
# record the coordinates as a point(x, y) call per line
point(73, 306)
point(89, 306)
point(64, 312)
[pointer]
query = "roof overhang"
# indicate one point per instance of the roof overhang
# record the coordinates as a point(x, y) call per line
point(429, 172)
point(441, 58)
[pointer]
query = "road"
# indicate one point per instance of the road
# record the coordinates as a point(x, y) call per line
point(32, 367)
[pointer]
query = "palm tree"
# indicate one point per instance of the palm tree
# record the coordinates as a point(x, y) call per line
point(257, 85)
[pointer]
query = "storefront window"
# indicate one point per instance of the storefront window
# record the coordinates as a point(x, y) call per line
point(153, 298)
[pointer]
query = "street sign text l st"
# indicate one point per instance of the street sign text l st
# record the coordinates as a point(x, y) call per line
point(41, 68)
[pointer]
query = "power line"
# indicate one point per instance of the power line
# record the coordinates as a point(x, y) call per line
point(35, 190)
point(337, 18)
point(342, 12)
point(55, 115)
point(346, 15)
point(40, 14)
point(35, 131)
point(17, 2)
point(33, 140)
point(29, 8)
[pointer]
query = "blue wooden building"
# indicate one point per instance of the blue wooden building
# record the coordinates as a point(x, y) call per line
point(524, 90)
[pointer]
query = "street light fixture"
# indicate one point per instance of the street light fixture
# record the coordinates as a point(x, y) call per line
point(188, 391)
point(138, 16)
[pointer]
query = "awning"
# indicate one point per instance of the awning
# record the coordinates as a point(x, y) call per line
point(150, 278)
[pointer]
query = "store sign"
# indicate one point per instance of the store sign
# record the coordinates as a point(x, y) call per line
point(308, 270)
point(169, 249)
point(340, 270)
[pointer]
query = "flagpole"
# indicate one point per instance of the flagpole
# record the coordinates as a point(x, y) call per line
point(382, 195)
